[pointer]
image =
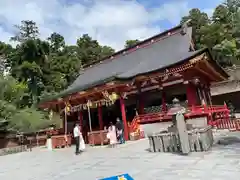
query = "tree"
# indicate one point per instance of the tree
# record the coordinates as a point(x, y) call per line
point(57, 42)
point(5, 50)
point(198, 20)
point(90, 51)
point(13, 116)
point(12, 91)
point(28, 120)
point(29, 60)
point(27, 30)
point(220, 33)
point(27, 64)
point(130, 43)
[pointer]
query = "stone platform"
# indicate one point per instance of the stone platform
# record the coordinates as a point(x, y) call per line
point(220, 163)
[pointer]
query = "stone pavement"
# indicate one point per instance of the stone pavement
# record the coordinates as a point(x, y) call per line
point(221, 163)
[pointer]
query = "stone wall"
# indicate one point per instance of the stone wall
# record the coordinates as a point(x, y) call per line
point(155, 127)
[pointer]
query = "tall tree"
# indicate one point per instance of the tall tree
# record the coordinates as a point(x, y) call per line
point(90, 50)
point(27, 30)
point(29, 58)
point(198, 20)
point(57, 42)
point(130, 43)
point(219, 33)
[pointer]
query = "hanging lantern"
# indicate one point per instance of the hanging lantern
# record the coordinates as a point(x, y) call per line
point(50, 115)
point(113, 96)
point(67, 107)
point(89, 103)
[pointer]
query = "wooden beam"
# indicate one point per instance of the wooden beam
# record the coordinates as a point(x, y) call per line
point(210, 76)
point(212, 69)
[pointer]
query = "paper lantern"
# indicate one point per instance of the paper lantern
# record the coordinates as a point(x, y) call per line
point(113, 96)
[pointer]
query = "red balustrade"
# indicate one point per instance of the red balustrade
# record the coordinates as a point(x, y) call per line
point(217, 116)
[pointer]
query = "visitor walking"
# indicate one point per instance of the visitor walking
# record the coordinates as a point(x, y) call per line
point(119, 127)
point(112, 136)
point(77, 134)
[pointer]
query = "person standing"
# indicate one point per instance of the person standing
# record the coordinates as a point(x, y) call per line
point(76, 134)
point(119, 127)
point(112, 135)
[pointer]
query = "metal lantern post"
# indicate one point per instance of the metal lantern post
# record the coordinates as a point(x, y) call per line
point(89, 115)
point(65, 121)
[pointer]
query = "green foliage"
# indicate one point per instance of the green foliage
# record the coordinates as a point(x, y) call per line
point(90, 51)
point(14, 116)
point(55, 120)
point(27, 30)
point(130, 43)
point(27, 120)
point(12, 91)
point(221, 32)
point(7, 110)
point(198, 20)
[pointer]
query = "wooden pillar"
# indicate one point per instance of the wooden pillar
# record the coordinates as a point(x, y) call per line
point(140, 100)
point(204, 95)
point(191, 94)
point(201, 95)
point(63, 123)
point(164, 105)
point(100, 118)
point(124, 118)
point(141, 104)
point(208, 92)
point(80, 118)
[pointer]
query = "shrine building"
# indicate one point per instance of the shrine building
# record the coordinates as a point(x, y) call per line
point(138, 84)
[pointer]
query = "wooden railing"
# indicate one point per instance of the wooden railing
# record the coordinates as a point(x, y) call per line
point(215, 114)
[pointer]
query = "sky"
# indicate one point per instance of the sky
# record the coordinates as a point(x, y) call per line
point(111, 22)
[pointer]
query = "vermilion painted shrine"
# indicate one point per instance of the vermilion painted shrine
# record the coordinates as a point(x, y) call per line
point(138, 84)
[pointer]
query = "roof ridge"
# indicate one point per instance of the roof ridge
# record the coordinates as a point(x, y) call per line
point(131, 49)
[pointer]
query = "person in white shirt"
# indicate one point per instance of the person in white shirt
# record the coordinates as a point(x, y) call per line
point(77, 134)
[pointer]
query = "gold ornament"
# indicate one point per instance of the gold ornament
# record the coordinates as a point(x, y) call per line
point(113, 96)
point(67, 107)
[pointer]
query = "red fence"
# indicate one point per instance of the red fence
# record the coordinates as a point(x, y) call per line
point(218, 116)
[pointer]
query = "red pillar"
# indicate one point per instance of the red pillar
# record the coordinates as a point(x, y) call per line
point(191, 94)
point(100, 119)
point(164, 106)
point(124, 118)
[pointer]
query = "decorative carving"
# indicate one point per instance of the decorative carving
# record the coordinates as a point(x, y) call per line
point(144, 83)
point(177, 75)
point(124, 95)
point(105, 95)
point(196, 81)
point(153, 81)
point(165, 78)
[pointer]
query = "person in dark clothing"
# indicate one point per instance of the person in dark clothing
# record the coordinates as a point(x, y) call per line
point(120, 131)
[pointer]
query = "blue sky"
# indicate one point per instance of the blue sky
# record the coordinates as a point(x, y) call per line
point(111, 22)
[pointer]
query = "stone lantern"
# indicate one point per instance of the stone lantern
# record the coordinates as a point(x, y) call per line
point(179, 125)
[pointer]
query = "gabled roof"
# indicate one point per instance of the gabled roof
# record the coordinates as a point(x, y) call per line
point(159, 52)
point(155, 55)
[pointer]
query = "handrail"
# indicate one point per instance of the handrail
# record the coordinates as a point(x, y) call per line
point(192, 111)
